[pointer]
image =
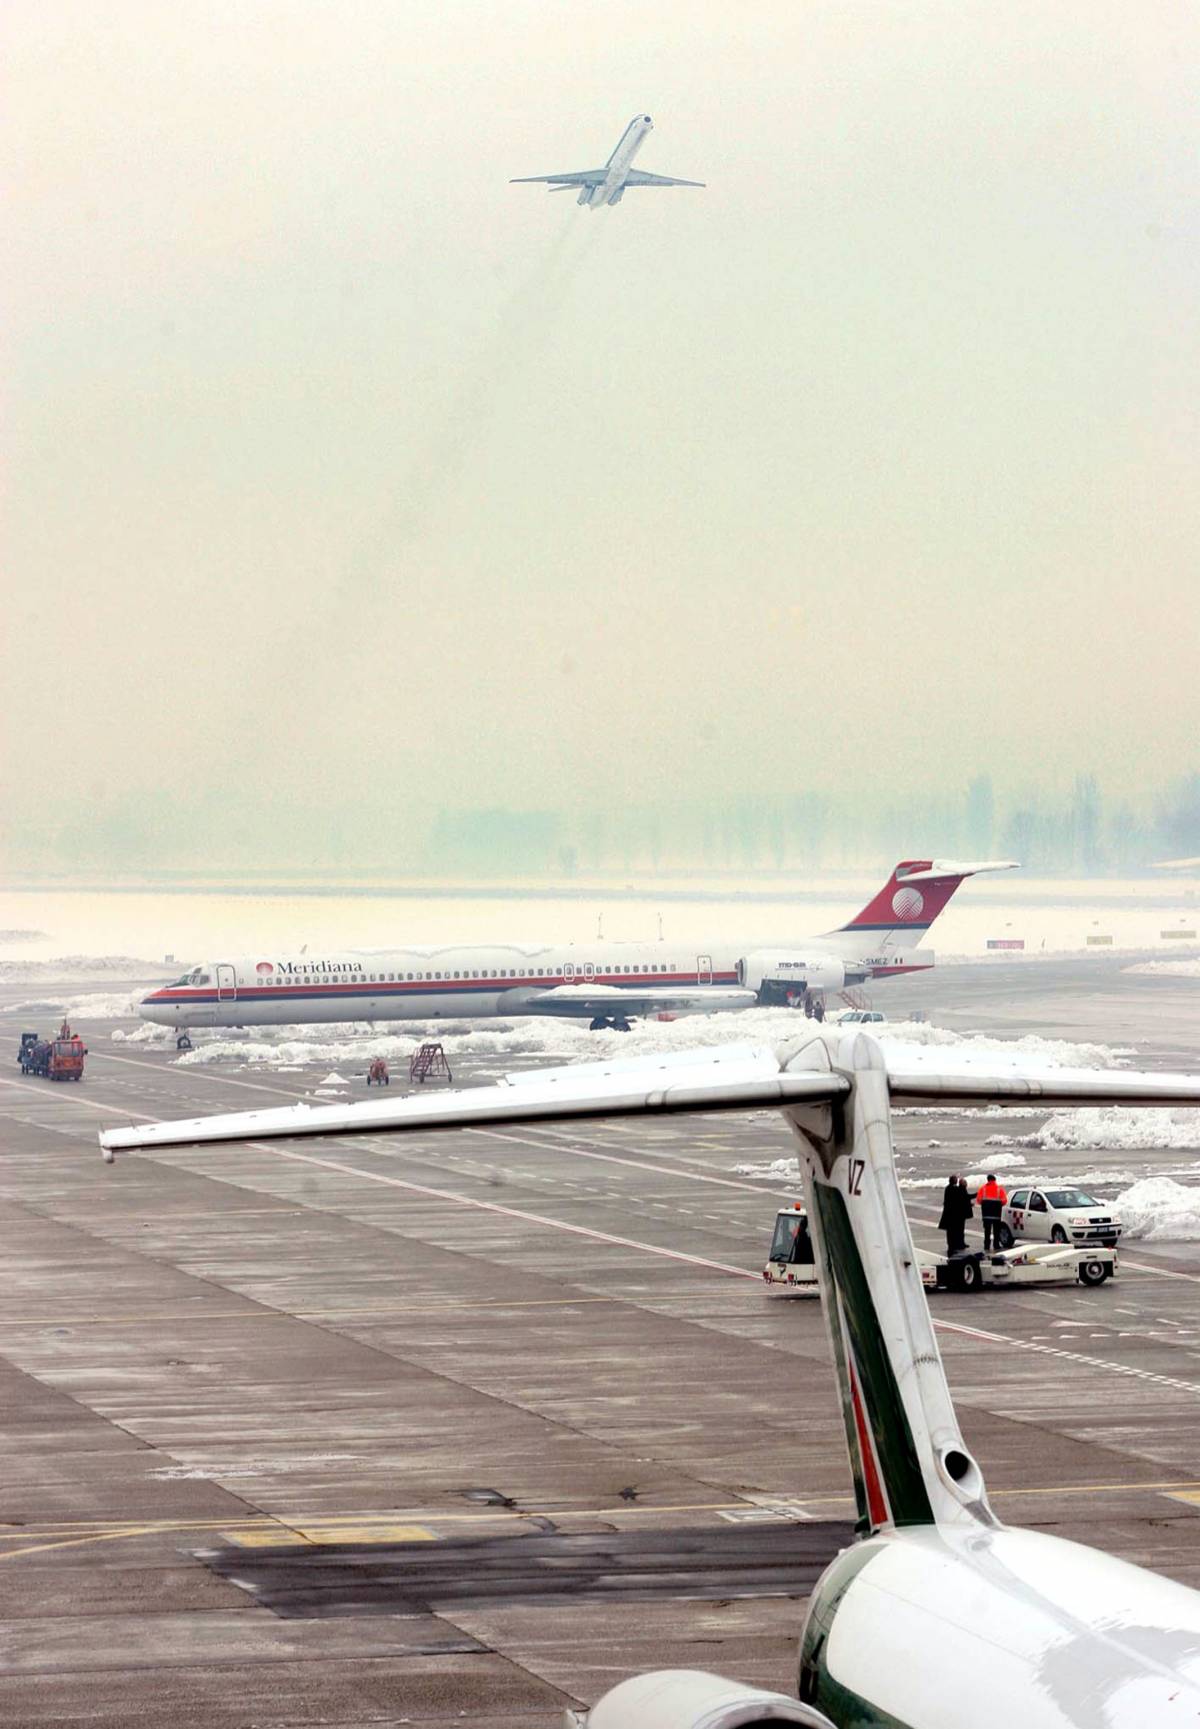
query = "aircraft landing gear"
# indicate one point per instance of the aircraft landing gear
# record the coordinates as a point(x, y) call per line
point(182, 1042)
point(609, 1024)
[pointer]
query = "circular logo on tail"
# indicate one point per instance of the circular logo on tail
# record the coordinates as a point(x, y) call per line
point(265, 967)
point(908, 903)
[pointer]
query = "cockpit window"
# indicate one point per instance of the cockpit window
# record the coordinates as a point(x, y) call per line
point(201, 979)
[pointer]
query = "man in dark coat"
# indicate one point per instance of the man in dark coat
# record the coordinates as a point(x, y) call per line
point(956, 1210)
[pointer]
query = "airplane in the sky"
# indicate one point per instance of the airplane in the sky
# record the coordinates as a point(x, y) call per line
point(608, 185)
point(937, 1616)
point(603, 983)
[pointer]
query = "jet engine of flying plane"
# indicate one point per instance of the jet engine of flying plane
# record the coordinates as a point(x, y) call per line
point(938, 1615)
point(607, 984)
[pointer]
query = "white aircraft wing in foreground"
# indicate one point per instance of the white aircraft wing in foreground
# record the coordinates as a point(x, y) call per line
point(939, 1615)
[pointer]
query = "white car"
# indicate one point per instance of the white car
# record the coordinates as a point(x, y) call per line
point(855, 1017)
point(1058, 1214)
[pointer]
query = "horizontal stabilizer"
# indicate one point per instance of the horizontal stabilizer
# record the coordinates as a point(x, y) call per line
point(716, 1085)
point(941, 868)
point(635, 177)
point(1054, 1088)
point(583, 177)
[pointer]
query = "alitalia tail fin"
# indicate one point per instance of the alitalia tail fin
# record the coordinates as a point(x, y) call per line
point(907, 1455)
point(908, 1458)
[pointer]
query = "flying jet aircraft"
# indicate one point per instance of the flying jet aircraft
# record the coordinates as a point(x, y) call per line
point(938, 1616)
point(608, 185)
point(604, 983)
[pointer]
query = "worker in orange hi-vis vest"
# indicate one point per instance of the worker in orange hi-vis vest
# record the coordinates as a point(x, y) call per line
point(992, 1198)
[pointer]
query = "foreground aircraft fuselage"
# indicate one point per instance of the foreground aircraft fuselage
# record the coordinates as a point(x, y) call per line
point(604, 983)
point(939, 1617)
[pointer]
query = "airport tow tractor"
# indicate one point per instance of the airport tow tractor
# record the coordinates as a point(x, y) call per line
point(791, 1265)
point(1024, 1264)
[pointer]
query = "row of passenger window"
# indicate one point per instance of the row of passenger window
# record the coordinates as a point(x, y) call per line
point(536, 976)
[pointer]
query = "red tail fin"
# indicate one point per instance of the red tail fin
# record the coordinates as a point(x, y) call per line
point(915, 893)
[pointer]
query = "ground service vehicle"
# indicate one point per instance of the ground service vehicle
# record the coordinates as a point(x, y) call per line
point(791, 1264)
point(1063, 1214)
point(938, 1616)
point(58, 1059)
point(1026, 1264)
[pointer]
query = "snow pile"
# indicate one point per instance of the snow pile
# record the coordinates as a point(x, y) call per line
point(1106, 1126)
point(104, 1005)
point(1157, 1210)
point(947, 1110)
point(1186, 969)
point(779, 1170)
point(92, 1006)
point(335, 1080)
point(148, 1033)
point(65, 969)
point(495, 1044)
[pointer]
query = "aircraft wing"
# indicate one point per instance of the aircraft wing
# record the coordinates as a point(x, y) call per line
point(732, 1079)
point(635, 177)
point(590, 1000)
point(582, 177)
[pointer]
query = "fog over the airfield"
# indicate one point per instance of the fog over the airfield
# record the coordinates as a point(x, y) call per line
point(338, 468)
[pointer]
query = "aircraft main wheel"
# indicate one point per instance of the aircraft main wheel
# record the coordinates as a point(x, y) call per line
point(1004, 1238)
point(620, 1025)
point(599, 1024)
point(1058, 1235)
point(1094, 1272)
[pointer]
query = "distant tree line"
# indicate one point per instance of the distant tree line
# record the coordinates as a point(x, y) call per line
point(1080, 832)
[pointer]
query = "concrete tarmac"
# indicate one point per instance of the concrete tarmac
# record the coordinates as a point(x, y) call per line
point(467, 1427)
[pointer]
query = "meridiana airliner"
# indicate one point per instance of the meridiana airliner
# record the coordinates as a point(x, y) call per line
point(606, 984)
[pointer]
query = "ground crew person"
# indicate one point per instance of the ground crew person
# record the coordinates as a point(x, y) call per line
point(949, 1221)
point(992, 1198)
point(956, 1210)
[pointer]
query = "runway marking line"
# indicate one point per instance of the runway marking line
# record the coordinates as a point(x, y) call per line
point(330, 1533)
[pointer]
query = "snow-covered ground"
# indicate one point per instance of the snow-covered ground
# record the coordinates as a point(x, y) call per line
point(496, 1046)
point(1182, 969)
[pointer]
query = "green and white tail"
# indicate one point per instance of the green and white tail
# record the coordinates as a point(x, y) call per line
point(910, 1464)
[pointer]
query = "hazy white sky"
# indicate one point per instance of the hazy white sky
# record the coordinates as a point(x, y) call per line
point(335, 462)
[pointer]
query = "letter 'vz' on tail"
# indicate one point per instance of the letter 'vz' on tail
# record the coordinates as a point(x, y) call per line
point(913, 896)
point(907, 1455)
